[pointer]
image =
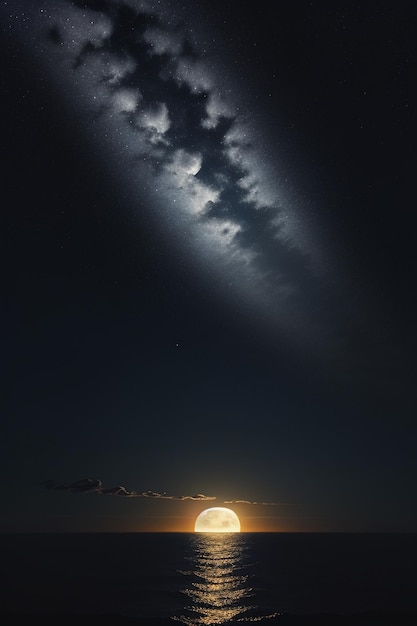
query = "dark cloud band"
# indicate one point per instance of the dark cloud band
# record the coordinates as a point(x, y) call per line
point(93, 485)
point(90, 485)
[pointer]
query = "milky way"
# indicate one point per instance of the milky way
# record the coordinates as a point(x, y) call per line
point(160, 106)
point(175, 127)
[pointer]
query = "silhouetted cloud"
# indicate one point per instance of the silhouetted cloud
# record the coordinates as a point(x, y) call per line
point(119, 491)
point(94, 485)
point(165, 496)
point(90, 485)
point(197, 496)
point(254, 502)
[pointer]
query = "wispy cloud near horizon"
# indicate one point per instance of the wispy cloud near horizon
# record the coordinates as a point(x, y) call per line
point(95, 486)
point(90, 485)
point(257, 503)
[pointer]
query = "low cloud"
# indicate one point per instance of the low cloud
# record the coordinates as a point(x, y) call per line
point(94, 485)
point(118, 491)
point(258, 503)
point(165, 496)
point(90, 485)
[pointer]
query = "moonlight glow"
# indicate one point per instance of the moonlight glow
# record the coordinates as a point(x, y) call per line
point(217, 520)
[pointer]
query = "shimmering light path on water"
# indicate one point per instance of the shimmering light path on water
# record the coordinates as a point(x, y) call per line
point(218, 582)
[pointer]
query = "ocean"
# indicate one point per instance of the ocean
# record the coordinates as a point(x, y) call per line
point(206, 579)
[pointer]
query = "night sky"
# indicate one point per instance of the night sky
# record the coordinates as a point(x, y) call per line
point(209, 264)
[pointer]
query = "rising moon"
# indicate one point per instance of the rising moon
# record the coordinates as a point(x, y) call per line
point(217, 520)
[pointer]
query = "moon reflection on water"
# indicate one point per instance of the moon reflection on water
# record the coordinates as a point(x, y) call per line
point(218, 585)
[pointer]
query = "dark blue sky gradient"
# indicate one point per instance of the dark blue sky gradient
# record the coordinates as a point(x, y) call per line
point(130, 360)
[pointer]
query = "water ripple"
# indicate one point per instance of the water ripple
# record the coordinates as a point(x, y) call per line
point(217, 583)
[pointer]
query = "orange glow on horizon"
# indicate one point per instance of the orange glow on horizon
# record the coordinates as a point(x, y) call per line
point(250, 521)
point(186, 524)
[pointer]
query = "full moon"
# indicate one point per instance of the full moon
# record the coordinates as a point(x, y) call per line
point(217, 520)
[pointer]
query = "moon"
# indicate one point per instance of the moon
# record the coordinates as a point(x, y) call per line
point(217, 520)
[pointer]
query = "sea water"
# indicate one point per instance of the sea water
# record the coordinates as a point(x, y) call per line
point(208, 578)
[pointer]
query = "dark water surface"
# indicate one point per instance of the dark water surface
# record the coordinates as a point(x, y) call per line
point(200, 579)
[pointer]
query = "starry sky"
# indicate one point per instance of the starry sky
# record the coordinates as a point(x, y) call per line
point(209, 256)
